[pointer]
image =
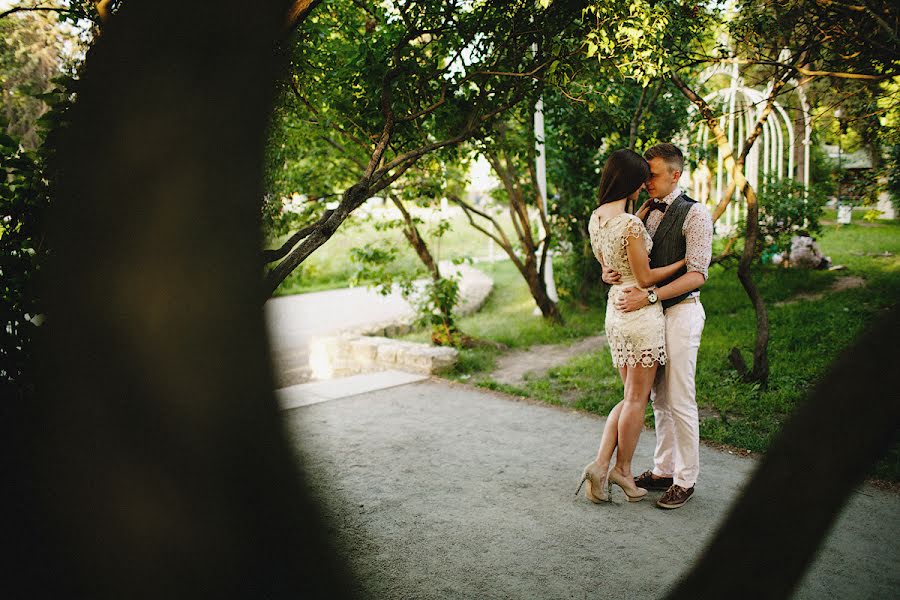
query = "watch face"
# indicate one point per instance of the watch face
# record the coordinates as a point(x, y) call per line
point(652, 297)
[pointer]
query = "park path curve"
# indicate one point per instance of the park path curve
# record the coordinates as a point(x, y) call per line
point(293, 321)
point(439, 490)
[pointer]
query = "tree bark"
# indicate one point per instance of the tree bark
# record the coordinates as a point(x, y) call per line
point(772, 532)
point(154, 463)
point(760, 370)
point(639, 113)
point(532, 267)
point(279, 253)
point(538, 288)
point(412, 235)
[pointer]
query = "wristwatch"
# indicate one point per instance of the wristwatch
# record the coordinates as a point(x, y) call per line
point(651, 297)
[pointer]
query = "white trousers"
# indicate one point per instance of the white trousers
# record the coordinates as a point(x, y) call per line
point(674, 397)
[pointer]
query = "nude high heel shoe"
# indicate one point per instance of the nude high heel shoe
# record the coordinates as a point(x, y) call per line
point(596, 481)
point(632, 492)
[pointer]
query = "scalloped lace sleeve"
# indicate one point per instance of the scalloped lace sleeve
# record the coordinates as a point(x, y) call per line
point(634, 228)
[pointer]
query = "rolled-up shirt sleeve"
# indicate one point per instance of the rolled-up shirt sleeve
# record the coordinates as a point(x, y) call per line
point(698, 233)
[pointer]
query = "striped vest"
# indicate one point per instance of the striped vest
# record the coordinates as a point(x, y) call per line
point(669, 243)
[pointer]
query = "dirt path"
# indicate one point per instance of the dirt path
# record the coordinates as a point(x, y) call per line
point(512, 368)
point(840, 284)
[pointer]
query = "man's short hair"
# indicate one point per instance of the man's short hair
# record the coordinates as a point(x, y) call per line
point(669, 153)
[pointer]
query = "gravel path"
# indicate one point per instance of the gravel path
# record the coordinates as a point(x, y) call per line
point(437, 490)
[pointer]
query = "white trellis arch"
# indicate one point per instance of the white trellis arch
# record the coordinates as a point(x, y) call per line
point(775, 152)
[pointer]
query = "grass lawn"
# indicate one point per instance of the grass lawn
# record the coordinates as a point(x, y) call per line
point(805, 337)
point(331, 266)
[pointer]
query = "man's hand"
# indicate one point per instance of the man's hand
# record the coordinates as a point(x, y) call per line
point(611, 276)
point(631, 299)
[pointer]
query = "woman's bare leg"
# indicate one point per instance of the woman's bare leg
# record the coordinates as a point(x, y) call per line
point(610, 433)
point(638, 381)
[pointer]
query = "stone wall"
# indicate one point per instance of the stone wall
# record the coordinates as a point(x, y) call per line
point(372, 349)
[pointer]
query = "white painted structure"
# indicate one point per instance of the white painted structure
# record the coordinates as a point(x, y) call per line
point(775, 150)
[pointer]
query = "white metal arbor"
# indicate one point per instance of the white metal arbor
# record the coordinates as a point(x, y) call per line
point(777, 152)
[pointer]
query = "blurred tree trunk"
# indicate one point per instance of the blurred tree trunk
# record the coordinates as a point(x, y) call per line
point(154, 463)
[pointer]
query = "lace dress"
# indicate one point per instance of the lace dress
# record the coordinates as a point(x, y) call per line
point(637, 337)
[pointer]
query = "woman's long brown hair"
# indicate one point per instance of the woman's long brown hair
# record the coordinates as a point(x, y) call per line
point(624, 172)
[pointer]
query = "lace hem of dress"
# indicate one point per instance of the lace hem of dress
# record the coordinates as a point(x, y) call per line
point(623, 355)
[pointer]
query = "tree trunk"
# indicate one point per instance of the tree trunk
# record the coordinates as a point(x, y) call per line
point(735, 166)
point(538, 288)
point(760, 372)
point(772, 531)
point(352, 199)
point(450, 334)
point(527, 268)
point(412, 235)
point(532, 268)
point(154, 463)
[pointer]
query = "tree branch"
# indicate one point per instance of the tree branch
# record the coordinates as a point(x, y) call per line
point(632, 133)
point(502, 240)
point(425, 111)
point(343, 150)
point(507, 179)
point(295, 15)
point(273, 255)
point(11, 11)
point(814, 73)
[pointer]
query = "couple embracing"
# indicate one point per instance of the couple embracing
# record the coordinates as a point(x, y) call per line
point(656, 261)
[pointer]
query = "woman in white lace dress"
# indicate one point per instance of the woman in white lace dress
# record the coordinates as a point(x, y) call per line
point(636, 339)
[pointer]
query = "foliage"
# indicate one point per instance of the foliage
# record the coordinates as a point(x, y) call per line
point(35, 48)
point(579, 138)
point(784, 212)
point(375, 89)
point(893, 175)
point(617, 98)
point(27, 180)
point(24, 198)
point(434, 306)
point(433, 299)
point(374, 261)
point(831, 36)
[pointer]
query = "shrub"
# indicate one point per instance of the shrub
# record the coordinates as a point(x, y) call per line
point(784, 212)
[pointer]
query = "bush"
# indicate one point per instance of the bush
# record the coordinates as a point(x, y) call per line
point(577, 275)
point(784, 213)
point(24, 198)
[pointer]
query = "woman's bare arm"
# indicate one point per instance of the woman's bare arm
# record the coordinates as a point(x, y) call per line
point(639, 261)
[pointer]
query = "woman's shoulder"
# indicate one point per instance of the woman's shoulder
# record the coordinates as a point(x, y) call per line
point(594, 220)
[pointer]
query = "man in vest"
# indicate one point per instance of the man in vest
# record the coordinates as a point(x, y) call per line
point(680, 227)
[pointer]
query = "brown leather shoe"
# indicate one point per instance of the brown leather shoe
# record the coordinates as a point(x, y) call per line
point(648, 481)
point(675, 497)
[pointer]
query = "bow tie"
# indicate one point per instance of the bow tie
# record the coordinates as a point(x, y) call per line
point(657, 205)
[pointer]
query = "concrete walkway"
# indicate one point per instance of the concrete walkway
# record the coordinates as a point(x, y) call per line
point(293, 321)
point(436, 490)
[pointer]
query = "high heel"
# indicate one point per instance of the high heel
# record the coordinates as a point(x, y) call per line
point(596, 481)
point(632, 492)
